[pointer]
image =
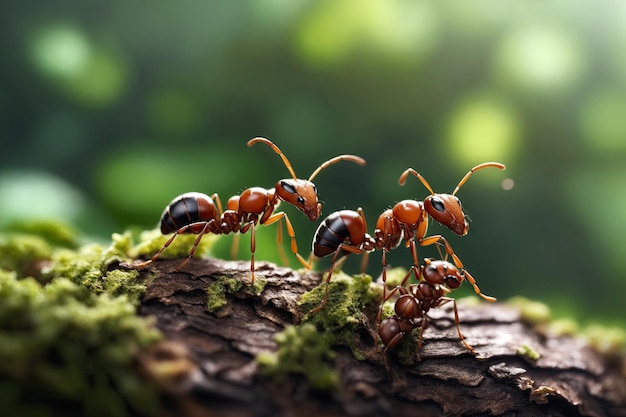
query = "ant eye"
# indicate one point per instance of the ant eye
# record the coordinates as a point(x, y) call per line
point(438, 204)
point(287, 186)
point(301, 200)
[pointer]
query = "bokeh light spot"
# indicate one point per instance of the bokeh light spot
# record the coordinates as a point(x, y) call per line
point(507, 184)
point(482, 129)
point(60, 51)
point(89, 73)
point(335, 30)
point(539, 59)
point(32, 195)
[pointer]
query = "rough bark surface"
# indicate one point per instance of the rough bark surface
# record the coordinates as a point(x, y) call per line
point(222, 377)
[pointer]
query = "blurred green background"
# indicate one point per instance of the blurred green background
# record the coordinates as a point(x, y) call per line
point(108, 110)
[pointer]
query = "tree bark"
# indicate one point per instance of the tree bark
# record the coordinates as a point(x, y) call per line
point(220, 375)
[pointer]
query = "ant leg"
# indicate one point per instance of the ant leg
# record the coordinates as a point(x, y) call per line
point(457, 262)
point(472, 281)
point(220, 210)
point(384, 273)
point(292, 234)
point(456, 322)
point(342, 247)
point(364, 261)
point(415, 266)
point(180, 231)
point(234, 248)
point(279, 243)
point(252, 250)
point(399, 288)
point(431, 240)
point(195, 245)
point(422, 326)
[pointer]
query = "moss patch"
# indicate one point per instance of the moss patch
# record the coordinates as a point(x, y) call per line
point(528, 352)
point(20, 252)
point(304, 351)
point(62, 344)
point(91, 266)
point(533, 312)
point(217, 290)
point(343, 313)
point(151, 241)
point(605, 339)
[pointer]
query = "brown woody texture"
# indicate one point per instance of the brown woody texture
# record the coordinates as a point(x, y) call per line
point(217, 373)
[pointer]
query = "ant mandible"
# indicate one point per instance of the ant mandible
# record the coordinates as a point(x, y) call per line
point(439, 277)
point(197, 213)
point(345, 231)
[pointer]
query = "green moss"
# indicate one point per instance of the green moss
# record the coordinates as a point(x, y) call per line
point(62, 344)
point(90, 266)
point(151, 241)
point(304, 351)
point(534, 312)
point(606, 339)
point(19, 252)
point(217, 290)
point(560, 327)
point(343, 313)
point(54, 232)
point(528, 352)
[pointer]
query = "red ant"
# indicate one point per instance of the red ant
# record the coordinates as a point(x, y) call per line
point(411, 308)
point(345, 231)
point(197, 213)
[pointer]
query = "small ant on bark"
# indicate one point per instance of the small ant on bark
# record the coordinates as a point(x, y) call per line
point(198, 213)
point(439, 277)
point(345, 231)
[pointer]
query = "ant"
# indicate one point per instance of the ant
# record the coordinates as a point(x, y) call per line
point(411, 308)
point(345, 231)
point(197, 213)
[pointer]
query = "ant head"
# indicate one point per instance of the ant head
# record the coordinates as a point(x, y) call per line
point(442, 272)
point(301, 194)
point(447, 210)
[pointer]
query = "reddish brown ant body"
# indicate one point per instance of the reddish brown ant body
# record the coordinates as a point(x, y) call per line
point(439, 277)
point(198, 213)
point(345, 231)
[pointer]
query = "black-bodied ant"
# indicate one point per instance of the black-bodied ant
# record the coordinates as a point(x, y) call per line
point(197, 213)
point(345, 231)
point(439, 277)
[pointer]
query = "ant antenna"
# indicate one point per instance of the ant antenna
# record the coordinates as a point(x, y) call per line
point(476, 168)
point(277, 150)
point(353, 158)
point(406, 173)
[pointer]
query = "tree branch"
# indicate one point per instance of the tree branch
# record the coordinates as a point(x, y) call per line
point(516, 370)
